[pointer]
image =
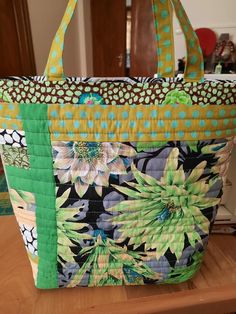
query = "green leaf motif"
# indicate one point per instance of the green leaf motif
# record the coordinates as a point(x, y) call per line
point(161, 212)
point(183, 273)
point(68, 228)
point(193, 145)
point(142, 146)
point(22, 200)
point(109, 264)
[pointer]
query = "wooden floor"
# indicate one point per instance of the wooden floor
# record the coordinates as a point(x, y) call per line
point(212, 291)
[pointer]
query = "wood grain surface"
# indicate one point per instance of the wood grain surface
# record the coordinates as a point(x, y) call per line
point(212, 291)
point(16, 53)
point(109, 37)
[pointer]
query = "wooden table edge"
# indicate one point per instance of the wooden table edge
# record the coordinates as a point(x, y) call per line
point(194, 301)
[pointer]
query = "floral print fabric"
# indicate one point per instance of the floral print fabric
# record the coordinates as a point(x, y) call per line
point(135, 213)
point(14, 156)
point(85, 163)
point(126, 211)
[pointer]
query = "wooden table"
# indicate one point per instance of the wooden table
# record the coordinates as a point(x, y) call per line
point(212, 291)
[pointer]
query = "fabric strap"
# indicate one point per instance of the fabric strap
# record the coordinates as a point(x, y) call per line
point(163, 13)
point(54, 69)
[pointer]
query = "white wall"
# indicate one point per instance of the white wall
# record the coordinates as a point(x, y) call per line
point(45, 17)
point(219, 15)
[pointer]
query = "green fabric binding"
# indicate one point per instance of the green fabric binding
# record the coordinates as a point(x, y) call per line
point(39, 180)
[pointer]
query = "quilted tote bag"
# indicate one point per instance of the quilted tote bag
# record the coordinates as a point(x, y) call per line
point(117, 181)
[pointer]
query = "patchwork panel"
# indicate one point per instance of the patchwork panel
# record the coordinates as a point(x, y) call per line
point(24, 206)
point(117, 181)
point(38, 181)
point(113, 195)
point(14, 156)
point(13, 138)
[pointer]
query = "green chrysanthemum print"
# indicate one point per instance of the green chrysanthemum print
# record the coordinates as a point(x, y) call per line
point(142, 146)
point(161, 213)
point(176, 97)
point(183, 273)
point(109, 264)
point(223, 153)
point(68, 227)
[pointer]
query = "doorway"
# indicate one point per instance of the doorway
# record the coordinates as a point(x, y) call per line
point(16, 55)
point(123, 37)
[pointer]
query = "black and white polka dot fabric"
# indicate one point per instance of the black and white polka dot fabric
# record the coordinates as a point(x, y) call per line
point(13, 138)
point(30, 238)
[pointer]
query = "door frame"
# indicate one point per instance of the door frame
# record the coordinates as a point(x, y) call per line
point(24, 35)
point(85, 38)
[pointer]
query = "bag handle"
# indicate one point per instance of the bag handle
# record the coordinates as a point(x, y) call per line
point(54, 70)
point(163, 13)
point(163, 20)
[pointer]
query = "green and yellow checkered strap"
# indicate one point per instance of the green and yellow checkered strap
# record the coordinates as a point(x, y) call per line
point(163, 13)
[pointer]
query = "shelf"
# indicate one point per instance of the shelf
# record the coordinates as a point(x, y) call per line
point(213, 290)
point(224, 216)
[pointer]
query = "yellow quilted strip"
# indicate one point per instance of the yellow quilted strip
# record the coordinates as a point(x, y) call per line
point(129, 122)
point(10, 116)
point(140, 123)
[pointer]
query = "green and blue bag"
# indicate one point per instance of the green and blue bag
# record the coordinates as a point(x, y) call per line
point(117, 181)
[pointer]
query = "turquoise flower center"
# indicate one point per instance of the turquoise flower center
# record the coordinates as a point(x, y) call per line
point(168, 209)
point(91, 99)
point(98, 232)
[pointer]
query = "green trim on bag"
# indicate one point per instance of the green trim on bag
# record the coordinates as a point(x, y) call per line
point(39, 180)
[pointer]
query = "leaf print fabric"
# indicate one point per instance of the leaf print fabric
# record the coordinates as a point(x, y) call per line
point(223, 153)
point(144, 214)
point(164, 211)
point(110, 264)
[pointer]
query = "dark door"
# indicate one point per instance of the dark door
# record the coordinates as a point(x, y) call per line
point(109, 20)
point(109, 37)
point(16, 53)
point(143, 45)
